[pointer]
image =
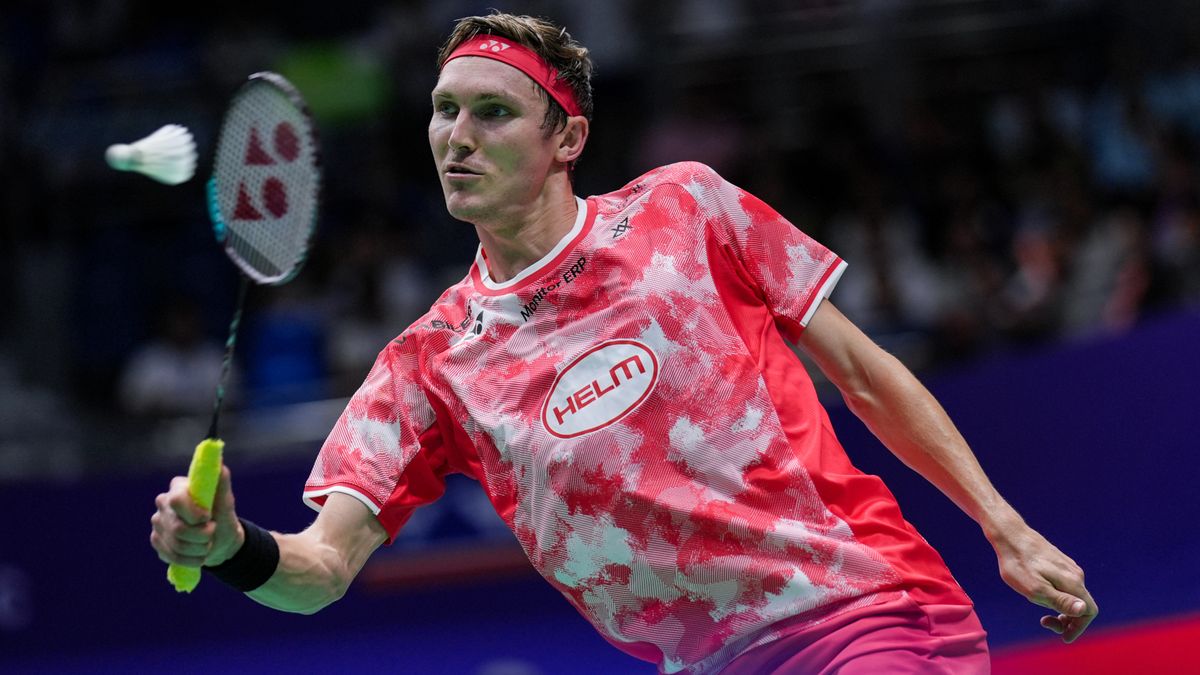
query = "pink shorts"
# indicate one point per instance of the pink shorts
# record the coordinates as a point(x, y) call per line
point(895, 637)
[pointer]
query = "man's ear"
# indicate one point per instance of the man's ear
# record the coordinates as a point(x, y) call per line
point(572, 140)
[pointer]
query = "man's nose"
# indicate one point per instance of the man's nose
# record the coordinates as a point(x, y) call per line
point(462, 135)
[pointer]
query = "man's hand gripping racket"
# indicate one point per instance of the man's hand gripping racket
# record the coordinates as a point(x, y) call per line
point(263, 198)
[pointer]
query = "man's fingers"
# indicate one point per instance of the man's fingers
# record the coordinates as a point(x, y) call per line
point(188, 539)
point(168, 519)
point(1045, 594)
point(1074, 612)
point(172, 536)
point(192, 549)
point(179, 500)
point(1069, 605)
point(189, 561)
point(188, 555)
point(1069, 627)
point(1075, 628)
point(196, 534)
point(1076, 625)
point(1054, 623)
point(1077, 610)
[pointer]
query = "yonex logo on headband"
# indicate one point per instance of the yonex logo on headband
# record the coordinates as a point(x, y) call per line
point(493, 46)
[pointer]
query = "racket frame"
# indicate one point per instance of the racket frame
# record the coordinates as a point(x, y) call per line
point(220, 228)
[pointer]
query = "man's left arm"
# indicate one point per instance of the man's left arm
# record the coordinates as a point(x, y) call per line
point(907, 419)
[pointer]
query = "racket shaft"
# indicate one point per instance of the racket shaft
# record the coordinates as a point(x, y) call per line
point(203, 476)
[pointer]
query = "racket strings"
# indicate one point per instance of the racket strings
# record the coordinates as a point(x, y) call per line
point(266, 181)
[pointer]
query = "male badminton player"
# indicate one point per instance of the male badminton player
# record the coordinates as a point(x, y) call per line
point(615, 372)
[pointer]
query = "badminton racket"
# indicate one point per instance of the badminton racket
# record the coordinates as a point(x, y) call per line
point(262, 199)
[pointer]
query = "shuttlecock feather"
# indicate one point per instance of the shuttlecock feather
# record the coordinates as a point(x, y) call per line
point(167, 155)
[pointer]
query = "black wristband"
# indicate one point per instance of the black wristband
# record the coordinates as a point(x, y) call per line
point(254, 562)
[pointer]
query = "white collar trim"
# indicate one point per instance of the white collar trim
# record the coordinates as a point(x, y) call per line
point(485, 275)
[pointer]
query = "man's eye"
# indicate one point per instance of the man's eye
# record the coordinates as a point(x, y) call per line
point(496, 111)
point(445, 108)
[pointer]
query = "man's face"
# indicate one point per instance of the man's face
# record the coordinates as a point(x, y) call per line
point(491, 152)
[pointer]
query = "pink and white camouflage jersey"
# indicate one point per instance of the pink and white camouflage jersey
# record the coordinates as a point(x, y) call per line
point(632, 409)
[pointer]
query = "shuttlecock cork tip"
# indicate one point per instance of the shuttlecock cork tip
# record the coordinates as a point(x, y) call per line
point(121, 156)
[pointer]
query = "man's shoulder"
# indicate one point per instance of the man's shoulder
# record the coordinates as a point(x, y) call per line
point(686, 175)
point(678, 173)
point(669, 189)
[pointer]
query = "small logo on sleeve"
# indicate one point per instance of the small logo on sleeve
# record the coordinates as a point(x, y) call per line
point(621, 228)
point(599, 387)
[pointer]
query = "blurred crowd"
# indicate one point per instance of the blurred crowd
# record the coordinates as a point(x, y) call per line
point(1038, 216)
point(993, 188)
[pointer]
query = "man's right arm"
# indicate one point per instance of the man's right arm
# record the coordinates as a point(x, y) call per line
point(315, 566)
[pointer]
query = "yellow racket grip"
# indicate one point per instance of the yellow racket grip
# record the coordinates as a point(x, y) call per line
point(203, 476)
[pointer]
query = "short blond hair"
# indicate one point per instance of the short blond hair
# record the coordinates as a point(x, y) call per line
point(549, 41)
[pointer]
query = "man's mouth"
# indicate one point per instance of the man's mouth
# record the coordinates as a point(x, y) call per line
point(453, 169)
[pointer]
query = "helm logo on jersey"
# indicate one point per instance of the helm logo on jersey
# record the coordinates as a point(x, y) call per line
point(599, 387)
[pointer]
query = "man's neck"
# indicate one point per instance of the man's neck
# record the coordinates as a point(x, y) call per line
point(514, 245)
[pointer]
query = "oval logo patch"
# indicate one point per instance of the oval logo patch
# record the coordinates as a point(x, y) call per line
point(599, 387)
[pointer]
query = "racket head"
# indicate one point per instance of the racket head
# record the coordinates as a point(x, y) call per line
point(264, 194)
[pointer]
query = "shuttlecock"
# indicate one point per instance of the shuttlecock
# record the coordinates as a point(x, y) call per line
point(167, 155)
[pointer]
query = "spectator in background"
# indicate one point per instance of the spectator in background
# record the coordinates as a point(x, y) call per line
point(1030, 302)
point(1124, 139)
point(1114, 279)
point(971, 275)
point(1095, 264)
point(893, 289)
point(284, 344)
point(1178, 247)
point(1175, 230)
point(377, 288)
point(175, 373)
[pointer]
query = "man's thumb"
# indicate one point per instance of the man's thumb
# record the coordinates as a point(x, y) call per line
point(1070, 605)
point(224, 497)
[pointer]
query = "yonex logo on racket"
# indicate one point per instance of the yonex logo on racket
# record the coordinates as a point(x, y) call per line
point(493, 46)
point(273, 191)
point(599, 387)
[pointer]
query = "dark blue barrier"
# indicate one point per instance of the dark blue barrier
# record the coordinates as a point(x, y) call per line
point(1095, 443)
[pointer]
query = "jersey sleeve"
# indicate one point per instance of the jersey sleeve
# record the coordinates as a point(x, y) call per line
point(385, 449)
point(792, 272)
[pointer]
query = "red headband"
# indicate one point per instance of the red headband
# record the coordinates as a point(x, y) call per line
point(523, 59)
